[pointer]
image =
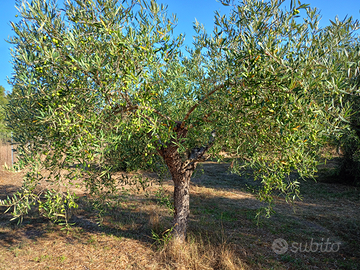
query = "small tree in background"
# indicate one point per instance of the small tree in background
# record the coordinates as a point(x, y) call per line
point(100, 83)
point(4, 131)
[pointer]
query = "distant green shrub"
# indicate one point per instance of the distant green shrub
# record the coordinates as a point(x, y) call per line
point(4, 131)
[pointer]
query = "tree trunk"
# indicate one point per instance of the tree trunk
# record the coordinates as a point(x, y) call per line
point(181, 175)
point(182, 203)
point(181, 172)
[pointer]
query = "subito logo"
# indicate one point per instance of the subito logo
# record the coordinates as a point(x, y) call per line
point(279, 246)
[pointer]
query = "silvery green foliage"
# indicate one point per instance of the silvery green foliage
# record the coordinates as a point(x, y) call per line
point(102, 84)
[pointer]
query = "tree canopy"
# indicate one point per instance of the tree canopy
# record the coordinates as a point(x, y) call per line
point(105, 84)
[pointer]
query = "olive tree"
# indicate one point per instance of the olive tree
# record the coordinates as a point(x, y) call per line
point(102, 82)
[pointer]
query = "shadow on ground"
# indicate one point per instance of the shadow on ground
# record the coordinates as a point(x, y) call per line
point(222, 211)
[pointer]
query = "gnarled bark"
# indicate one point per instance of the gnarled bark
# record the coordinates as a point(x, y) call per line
point(181, 177)
point(182, 202)
point(181, 173)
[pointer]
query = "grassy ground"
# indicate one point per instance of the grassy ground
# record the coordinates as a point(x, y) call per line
point(322, 231)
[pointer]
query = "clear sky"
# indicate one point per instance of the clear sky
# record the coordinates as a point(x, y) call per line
point(186, 10)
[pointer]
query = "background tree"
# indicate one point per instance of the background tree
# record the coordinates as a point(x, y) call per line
point(99, 81)
point(4, 132)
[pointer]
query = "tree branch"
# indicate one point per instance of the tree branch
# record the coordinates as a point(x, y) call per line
point(196, 154)
point(197, 104)
point(120, 109)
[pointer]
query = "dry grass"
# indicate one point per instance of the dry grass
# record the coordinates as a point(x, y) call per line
point(223, 233)
point(199, 255)
point(61, 251)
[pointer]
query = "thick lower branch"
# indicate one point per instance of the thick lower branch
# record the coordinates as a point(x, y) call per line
point(197, 154)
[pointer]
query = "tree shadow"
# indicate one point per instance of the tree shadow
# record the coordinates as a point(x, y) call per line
point(218, 176)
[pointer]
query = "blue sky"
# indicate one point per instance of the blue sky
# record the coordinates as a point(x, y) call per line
point(186, 10)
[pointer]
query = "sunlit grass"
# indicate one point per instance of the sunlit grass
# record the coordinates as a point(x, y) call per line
point(133, 232)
